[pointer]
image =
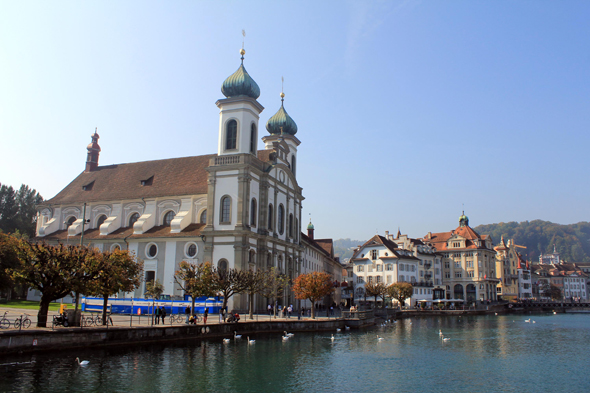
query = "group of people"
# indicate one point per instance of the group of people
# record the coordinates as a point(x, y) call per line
point(160, 313)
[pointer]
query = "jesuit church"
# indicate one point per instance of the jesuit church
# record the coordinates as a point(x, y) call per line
point(238, 208)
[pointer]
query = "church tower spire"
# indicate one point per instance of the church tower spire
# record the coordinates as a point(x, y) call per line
point(93, 153)
point(239, 113)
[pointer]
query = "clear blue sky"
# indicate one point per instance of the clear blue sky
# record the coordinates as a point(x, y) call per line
point(406, 109)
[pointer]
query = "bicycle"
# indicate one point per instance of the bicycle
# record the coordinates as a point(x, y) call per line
point(4, 322)
point(24, 323)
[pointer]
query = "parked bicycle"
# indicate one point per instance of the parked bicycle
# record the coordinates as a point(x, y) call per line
point(22, 323)
point(4, 322)
point(93, 320)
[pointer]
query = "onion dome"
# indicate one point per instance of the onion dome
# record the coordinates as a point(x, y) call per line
point(281, 122)
point(310, 225)
point(464, 220)
point(94, 144)
point(240, 83)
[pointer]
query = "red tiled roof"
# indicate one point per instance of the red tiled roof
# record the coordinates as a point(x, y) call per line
point(439, 240)
point(327, 245)
point(391, 246)
point(169, 177)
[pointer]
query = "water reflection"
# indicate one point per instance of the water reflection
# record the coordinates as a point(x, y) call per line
point(491, 353)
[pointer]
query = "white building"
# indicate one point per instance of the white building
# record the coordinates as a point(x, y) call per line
point(525, 283)
point(239, 208)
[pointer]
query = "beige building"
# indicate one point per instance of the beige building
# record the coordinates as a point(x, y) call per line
point(507, 262)
point(469, 262)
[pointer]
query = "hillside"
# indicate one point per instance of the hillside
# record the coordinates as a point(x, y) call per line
point(343, 248)
point(571, 241)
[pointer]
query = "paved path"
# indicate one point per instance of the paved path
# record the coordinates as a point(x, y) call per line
point(120, 320)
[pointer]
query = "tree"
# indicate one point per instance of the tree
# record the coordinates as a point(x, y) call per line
point(55, 271)
point(18, 209)
point(274, 286)
point(552, 291)
point(8, 260)
point(229, 282)
point(153, 290)
point(253, 284)
point(313, 287)
point(196, 280)
point(116, 271)
point(400, 291)
point(377, 290)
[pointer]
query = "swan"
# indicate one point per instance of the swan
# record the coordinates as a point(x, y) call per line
point(251, 341)
point(82, 363)
point(338, 329)
point(347, 327)
point(496, 313)
point(237, 336)
point(285, 338)
point(534, 322)
point(289, 334)
point(226, 340)
point(379, 338)
point(440, 332)
point(446, 339)
point(527, 320)
point(332, 337)
point(554, 313)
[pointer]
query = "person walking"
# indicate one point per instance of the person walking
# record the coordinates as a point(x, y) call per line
point(205, 315)
point(163, 314)
point(157, 312)
point(289, 311)
point(220, 315)
point(187, 312)
point(269, 310)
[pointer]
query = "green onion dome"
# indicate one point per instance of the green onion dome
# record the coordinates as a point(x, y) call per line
point(310, 225)
point(463, 220)
point(240, 83)
point(281, 121)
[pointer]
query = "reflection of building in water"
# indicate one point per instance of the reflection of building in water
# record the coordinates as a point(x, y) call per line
point(468, 260)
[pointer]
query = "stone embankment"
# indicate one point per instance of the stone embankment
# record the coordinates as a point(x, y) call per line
point(35, 340)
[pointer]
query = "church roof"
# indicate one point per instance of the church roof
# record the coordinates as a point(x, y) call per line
point(439, 240)
point(147, 179)
point(192, 230)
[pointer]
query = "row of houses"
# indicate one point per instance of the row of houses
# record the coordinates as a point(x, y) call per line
point(459, 265)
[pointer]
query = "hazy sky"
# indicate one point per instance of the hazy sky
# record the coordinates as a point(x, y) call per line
point(406, 109)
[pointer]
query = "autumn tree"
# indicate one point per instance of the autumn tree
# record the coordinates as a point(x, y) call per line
point(153, 290)
point(400, 291)
point(253, 284)
point(8, 260)
point(274, 286)
point(551, 291)
point(377, 290)
point(196, 280)
point(229, 282)
point(55, 271)
point(113, 271)
point(313, 287)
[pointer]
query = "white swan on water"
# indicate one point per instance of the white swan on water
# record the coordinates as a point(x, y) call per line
point(226, 340)
point(379, 338)
point(332, 338)
point(237, 336)
point(289, 334)
point(251, 341)
point(82, 363)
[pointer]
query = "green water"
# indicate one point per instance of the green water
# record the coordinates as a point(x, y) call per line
point(484, 354)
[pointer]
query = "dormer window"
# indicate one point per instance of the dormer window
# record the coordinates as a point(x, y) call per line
point(88, 187)
point(148, 181)
point(374, 254)
point(168, 217)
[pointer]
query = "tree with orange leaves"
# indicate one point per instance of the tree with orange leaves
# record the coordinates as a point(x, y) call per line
point(313, 287)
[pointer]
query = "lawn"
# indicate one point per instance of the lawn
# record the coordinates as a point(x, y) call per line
point(29, 305)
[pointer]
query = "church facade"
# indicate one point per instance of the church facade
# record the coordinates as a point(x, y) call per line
point(240, 208)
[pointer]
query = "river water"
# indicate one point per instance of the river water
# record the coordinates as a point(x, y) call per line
point(483, 354)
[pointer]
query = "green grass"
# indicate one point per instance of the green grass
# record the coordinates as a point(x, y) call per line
point(30, 305)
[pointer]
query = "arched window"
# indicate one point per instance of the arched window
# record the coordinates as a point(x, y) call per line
point(231, 135)
point(253, 213)
point(70, 221)
point(133, 219)
point(253, 139)
point(281, 218)
point(270, 216)
point(203, 218)
point(225, 213)
point(101, 219)
point(168, 217)
point(290, 225)
point(293, 164)
point(222, 265)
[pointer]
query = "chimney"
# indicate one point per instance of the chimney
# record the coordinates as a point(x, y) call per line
point(93, 153)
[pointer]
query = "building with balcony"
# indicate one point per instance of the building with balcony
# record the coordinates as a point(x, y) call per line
point(507, 261)
point(239, 208)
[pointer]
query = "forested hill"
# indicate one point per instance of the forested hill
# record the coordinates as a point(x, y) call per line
point(572, 241)
point(343, 247)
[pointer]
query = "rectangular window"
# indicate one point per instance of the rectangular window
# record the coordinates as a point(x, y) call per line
point(360, 268)
point(360, 280)
point(401, 267)
point(458, 275)
point(421, 273)
point(370, 279)
point(457, 264)
point(378, 278)
point(374, 254)
point(447, 275)
point(389, 267)
point(379, 268)
point(447, 265)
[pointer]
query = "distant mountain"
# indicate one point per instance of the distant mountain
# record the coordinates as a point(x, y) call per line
point(343, 247)
point(572, 241)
